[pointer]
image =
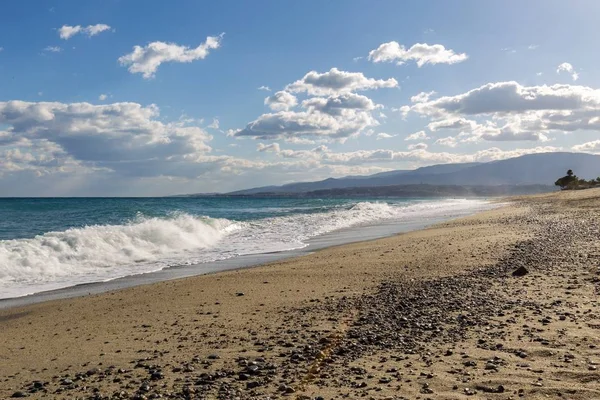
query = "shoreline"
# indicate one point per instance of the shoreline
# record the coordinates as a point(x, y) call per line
point(417, 314)
point(339, 237)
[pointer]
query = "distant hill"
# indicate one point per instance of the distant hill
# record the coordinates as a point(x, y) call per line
point(532, 169)
point(416, 191)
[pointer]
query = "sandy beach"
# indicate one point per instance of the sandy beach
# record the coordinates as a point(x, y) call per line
point(435, 313)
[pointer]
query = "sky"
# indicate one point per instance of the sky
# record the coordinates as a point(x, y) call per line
point(139, 98)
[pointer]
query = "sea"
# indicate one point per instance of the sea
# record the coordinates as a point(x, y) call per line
point(55, 243)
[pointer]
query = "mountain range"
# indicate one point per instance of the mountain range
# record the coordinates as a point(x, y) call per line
point(531, 169)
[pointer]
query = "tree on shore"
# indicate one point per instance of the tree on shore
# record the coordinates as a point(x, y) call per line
point(571, 181)
point(568, 181)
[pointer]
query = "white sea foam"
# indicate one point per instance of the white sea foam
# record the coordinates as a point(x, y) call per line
point(103, 252)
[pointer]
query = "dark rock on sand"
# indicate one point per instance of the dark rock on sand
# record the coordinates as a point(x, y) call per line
point(521, 271)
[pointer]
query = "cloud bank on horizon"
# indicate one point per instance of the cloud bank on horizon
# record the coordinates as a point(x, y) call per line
point(138, 112)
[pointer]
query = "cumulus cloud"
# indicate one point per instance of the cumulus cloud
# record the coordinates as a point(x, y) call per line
point(588, 147)
point(421, 53)
point(421, 135)
point(566, 67)
point(265, 88)
point(146, 60)
point(336, 105)
point(281, 101)
point(332, 110)
point(124, 137)
point(422, 97)
point(297, 140)
point(102, 97)
point(453, 123)
point(418, 154)
point(447, 141)
point(67, 31)
point(418, 146)
point(511, 97)
point(336, 82)
point(273, 147)
point(311, 123)
point(384, 136)
point(510, 111)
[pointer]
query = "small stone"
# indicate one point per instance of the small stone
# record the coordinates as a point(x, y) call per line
point(156, 375)
point(252, 385)
point(521, 271)
point(18, 395)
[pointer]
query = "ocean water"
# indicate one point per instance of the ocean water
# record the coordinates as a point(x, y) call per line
point(48, 244)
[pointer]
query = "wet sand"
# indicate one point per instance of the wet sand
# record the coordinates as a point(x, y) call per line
point(434, 313)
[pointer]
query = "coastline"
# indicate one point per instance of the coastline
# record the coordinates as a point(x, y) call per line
point(351, 320)
point(338, 237)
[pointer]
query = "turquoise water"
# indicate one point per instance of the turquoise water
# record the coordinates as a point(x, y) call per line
point(48, 243)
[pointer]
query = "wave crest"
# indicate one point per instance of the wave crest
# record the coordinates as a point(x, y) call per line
point(88, 250)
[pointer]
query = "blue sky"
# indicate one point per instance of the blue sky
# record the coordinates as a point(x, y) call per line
point(84, 113)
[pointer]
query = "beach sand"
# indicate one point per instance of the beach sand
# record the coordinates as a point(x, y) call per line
point(434, 313)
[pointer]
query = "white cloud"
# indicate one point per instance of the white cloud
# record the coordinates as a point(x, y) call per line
point(123, 137)
point(309, 123)
point(422, 97)
point(93, 30)
point(53, 49)
point(533, 47)
point(419, 155)
point(421, 135)
point(297, 140)
point(447, 141)
point(589, 147)
point(336, 105)
point(265, 88)
point(67, 31)
point(566, 67)
point(384, 136)
point(472, 131)
point(214, 124)
point(281, 101)
point(102, 97)
point(518, 112)
point(418, 146)
point(453, 123)
point(273, 147)
point(146, 60)
point(334, 112)
point(511, 97)
point(336, 82)
point(422, 53)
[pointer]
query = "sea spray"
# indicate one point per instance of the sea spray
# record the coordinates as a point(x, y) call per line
point(145, 244)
